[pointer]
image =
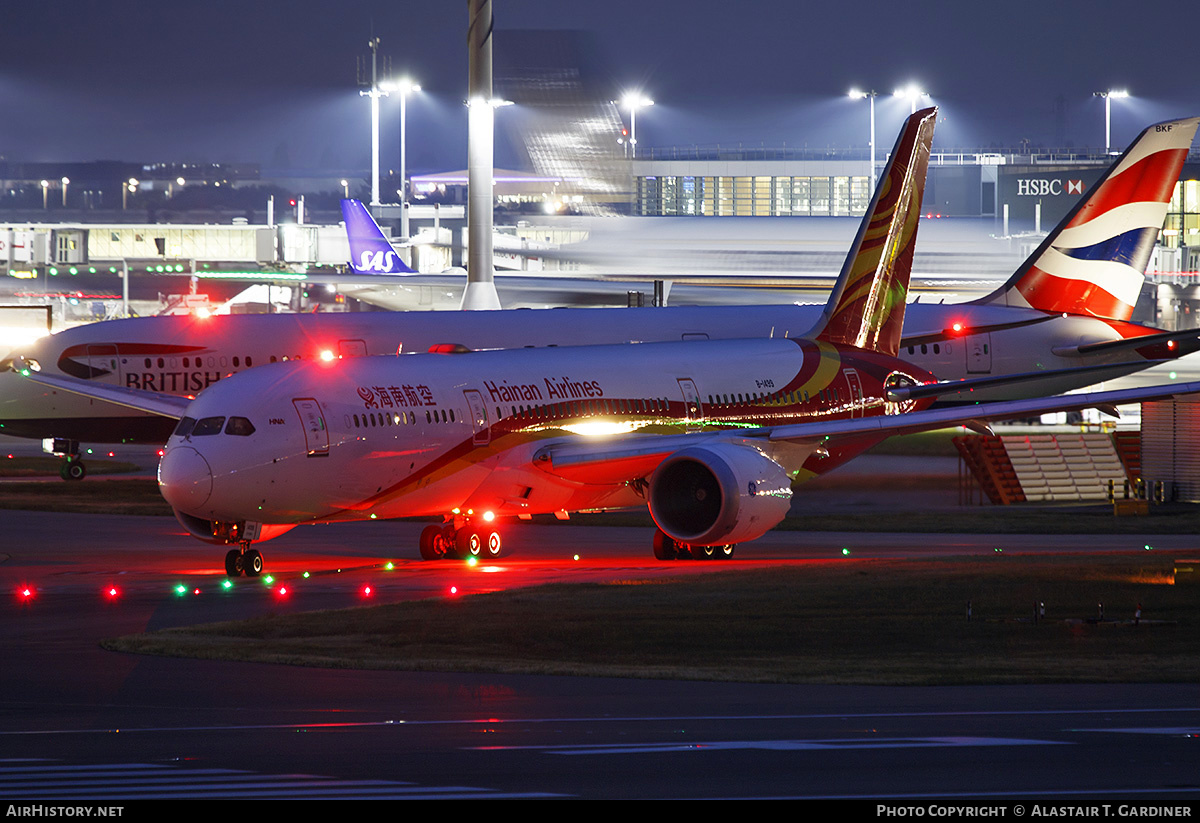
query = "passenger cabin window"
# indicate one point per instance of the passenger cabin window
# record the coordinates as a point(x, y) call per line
point(207, 426)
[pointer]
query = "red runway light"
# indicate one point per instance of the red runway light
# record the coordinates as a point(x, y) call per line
point(112, 592)
point(366, 591)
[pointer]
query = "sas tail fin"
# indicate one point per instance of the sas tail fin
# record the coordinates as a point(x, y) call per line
point(1094, 262)
point(866, 308)
point(370, 251)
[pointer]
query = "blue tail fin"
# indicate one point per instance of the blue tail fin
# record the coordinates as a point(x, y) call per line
point(370, 251)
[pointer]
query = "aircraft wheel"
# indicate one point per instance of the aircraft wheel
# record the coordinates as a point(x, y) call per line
point(664, 547)
point(726, 551)
point(72, 469)
point(704, 552)
point(252, 563)
point(468, 542)
point(494, 547)
point(433, 545)
point(233, 563)
point(450, 550)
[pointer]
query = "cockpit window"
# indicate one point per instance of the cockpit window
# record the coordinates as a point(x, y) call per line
point(239, 426)
point(208, 425)
point(185, 427)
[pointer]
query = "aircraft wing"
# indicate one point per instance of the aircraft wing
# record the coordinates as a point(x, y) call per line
point(164, 405)
point(917, 338)
point(966, 386)
point(1169, 343)
point(635, 456)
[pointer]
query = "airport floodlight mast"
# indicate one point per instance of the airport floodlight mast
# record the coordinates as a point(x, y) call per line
point(404, 87)
point(480, 292)
point(375, 92)
point(1119, 94)
point(127, 189)
point(913, 94)
point(855, 94)
point(633, 101)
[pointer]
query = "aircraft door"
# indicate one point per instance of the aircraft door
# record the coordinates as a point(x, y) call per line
point(479, 417)
point(352, 348)
point(691, 403)
point(856, 392)
point(316, 435)
point(979, 354)
point(104, 364)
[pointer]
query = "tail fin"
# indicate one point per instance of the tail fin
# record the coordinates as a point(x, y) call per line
point(866, 308)
point(1094, 262)
point(370, 251)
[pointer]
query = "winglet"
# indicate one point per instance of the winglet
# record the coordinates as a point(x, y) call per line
point(1094, 262)
point(370, 251)
point(866, 308)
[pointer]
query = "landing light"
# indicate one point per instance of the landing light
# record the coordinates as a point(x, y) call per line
point(327, 355)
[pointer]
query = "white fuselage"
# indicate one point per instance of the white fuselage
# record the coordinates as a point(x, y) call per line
point(184, 355)
point(431, 434)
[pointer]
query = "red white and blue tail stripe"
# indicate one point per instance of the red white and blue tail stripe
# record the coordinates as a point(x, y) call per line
point(1094, 262)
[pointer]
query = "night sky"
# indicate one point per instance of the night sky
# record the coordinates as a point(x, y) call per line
point(276, 83)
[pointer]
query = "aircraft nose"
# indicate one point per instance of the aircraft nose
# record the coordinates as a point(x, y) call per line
point(184, 478)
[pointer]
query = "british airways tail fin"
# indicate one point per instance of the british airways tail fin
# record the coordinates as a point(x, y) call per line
point(370, 251)
point(866, 308)
point(1094, 262)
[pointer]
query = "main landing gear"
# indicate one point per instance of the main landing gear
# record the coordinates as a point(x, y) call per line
point(667, 548)
point(466, 540)
point(243, 560)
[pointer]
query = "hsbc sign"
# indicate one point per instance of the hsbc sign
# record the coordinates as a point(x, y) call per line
point(1048, 188)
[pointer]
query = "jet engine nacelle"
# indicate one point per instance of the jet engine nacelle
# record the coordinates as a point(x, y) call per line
point(221, 533)
point(719, 494)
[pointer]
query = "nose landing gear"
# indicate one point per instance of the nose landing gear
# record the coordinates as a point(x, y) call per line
point(243, 560)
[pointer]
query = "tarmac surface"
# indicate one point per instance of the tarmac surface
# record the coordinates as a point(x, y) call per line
point(81, 724)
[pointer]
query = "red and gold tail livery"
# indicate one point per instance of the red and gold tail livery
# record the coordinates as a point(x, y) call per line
point(1094, 262)
point(866, 308)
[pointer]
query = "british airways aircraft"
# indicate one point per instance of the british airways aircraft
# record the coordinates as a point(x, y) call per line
point(1062, 318)
point(710, 435)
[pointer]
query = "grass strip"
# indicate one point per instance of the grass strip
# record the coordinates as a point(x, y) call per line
point(870, 622)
